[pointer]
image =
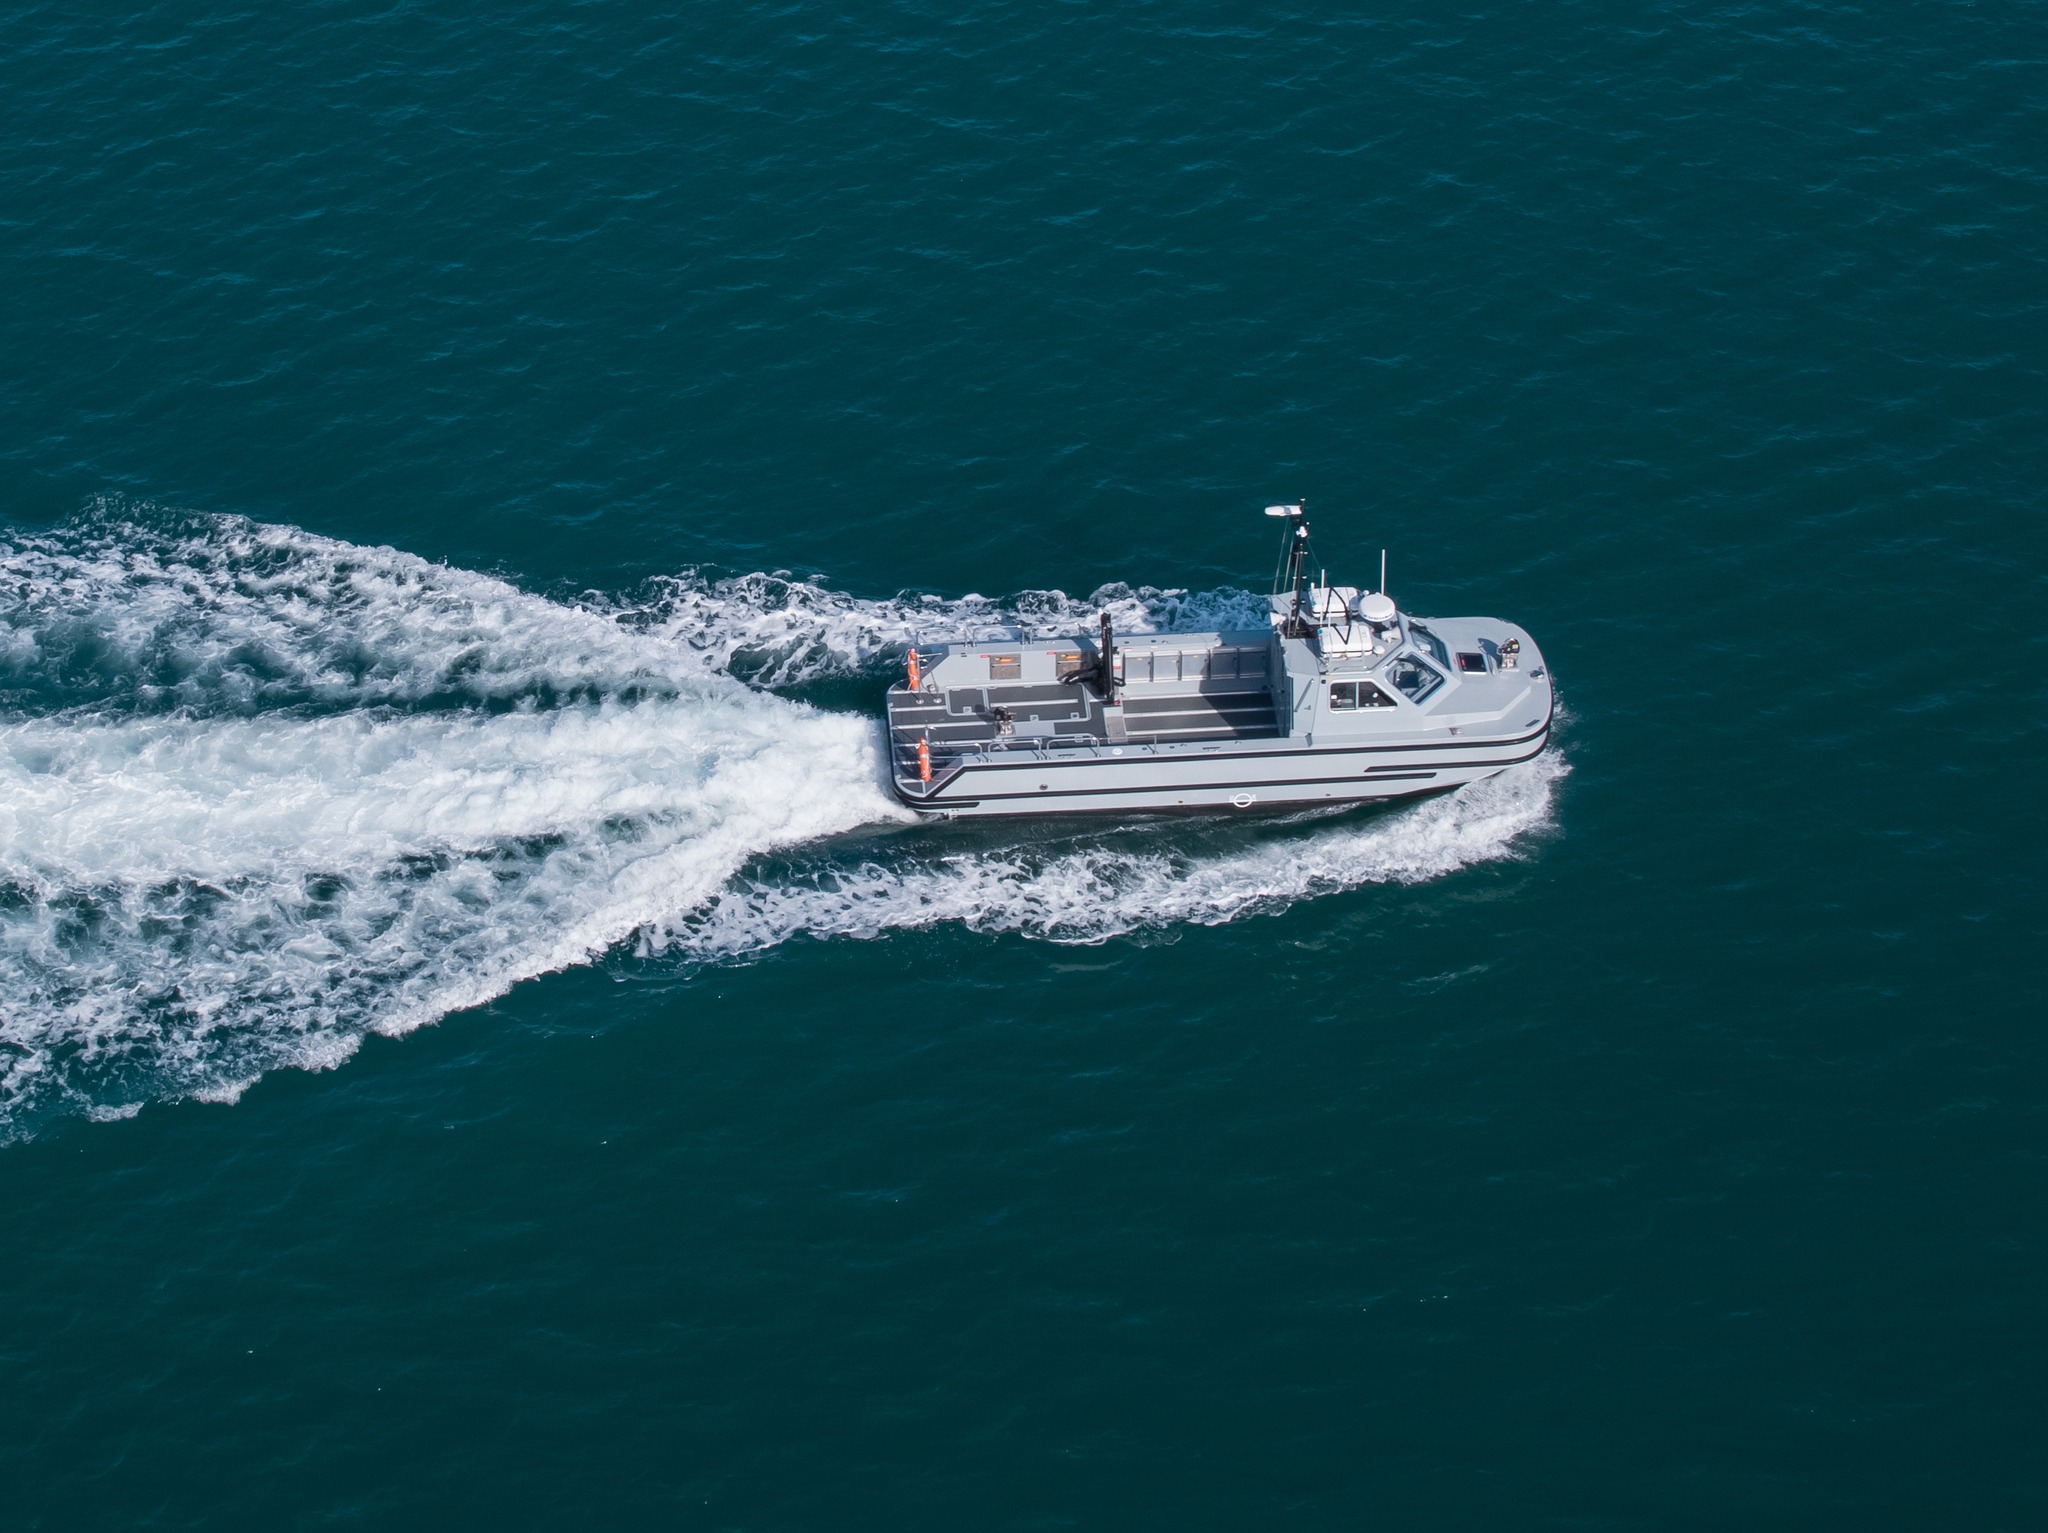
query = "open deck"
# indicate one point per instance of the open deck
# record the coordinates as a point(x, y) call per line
point(1170, 690)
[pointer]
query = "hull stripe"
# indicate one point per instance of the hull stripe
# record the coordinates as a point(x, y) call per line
point(1221, 787)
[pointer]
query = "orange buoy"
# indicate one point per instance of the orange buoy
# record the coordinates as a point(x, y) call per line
point(924, 758)
point(916, 682)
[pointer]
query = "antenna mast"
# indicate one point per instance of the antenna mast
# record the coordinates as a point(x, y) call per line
point(1292, 574)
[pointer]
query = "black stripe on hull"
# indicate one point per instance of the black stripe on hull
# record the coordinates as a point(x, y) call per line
point(1398, 791)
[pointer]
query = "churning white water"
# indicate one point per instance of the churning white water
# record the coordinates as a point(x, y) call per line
point(263, 793)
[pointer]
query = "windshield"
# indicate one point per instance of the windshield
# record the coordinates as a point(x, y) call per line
point(1413, 678)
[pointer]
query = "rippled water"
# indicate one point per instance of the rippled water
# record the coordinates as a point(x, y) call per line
point(466, 481)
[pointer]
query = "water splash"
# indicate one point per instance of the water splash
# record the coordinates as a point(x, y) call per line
point(221, 614)
point(264, 793)
point(776, 630)
point(1102, 889)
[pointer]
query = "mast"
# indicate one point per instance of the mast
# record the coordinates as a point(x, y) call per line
point(1292, 574)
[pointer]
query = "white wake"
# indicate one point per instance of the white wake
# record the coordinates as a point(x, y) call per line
point(264, 793)
point(1104, 888)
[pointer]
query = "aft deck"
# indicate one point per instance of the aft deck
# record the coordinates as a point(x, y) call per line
point(1169, 693)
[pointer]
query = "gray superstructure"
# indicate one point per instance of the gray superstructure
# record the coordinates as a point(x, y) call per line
point(1340, 698)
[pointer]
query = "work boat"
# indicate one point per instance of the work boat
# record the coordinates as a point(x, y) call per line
point(1341, 698)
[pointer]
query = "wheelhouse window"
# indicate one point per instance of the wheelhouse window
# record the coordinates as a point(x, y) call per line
point(1413, 679)
point(1430, 642)
point(1346, 696)
point(1005, 667)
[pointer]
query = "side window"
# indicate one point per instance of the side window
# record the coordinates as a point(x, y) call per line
point(1005, 667)
point(1347, 695)
point(1413, 679)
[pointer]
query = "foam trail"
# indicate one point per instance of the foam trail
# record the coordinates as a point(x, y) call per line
point(194, 902)
point(775, 630)
point(1096, 892)
point(263, 793)
point(217, 613)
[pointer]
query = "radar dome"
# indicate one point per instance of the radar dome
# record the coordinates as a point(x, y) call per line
point(1376, 607)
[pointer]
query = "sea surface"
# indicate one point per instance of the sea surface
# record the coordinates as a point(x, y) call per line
point(479, 1046)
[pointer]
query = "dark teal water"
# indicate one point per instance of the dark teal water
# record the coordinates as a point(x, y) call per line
point(476, 1048)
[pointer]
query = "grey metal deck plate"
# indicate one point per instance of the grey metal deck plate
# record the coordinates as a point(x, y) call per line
point(962, 719)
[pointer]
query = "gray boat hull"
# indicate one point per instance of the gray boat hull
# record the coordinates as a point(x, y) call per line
point(1242, 776)
point(1324, 708)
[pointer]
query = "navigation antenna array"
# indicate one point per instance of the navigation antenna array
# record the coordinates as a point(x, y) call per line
point(1292, 573)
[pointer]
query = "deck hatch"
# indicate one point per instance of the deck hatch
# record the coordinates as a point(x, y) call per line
point(1430, 642)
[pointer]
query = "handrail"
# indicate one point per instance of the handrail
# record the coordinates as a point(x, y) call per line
point(958, 760)
point(939, 779)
